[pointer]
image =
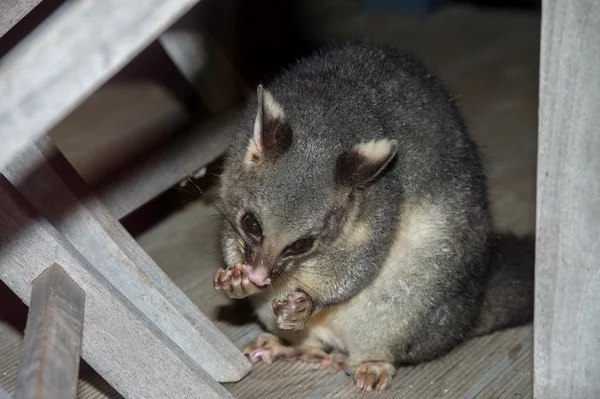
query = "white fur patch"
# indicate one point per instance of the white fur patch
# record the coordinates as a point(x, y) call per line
point(272, 107)
point(376, 150)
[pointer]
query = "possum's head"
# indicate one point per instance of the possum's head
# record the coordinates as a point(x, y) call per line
point(288, 195)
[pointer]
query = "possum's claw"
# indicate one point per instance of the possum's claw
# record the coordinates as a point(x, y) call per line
point(234, 282)
point(374, 376)
point(294, 311)
point(269, 348)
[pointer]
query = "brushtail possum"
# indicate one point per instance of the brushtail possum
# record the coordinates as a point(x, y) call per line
point(357, 219)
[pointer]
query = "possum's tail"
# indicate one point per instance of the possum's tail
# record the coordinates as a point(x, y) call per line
point(508, 298)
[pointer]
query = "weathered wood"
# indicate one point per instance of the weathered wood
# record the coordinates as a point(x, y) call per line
point(49, 182)
point(49, 365)
point(70, 55)
point(12, 11)
point(132, 187)
point(119, 342)
point(567, 309)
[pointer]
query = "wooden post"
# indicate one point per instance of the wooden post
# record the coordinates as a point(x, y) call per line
point(69, 56)
point(119, 342)
point(54, 188)
point(49, 365)
point(567, 308)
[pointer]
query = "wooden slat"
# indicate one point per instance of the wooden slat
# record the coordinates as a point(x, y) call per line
point(130, 188)
point(119, 342)
point(70, 55)
point(567, 308)
point(61, 195)
point(12, 11)
point(49, 366)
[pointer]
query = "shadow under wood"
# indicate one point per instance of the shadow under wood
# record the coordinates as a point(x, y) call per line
point(237, 313)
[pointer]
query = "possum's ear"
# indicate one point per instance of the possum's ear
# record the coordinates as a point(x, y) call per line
point(364, 162)
point(272, 134)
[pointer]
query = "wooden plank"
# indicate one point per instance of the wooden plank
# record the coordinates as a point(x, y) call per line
point(12, 11)
point(567, 308)
point(69, 56)
point(49, 366)
point(132, 187)
point(119, 342)
point(47, 180)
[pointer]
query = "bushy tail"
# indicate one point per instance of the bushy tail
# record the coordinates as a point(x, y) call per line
point(508, 299)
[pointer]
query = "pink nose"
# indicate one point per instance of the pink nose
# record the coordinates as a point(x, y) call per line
point(258, 275)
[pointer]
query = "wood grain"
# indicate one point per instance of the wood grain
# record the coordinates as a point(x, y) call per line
point(12, 11)
point(119, 342)
point(49, 366)
point(60, 194)
point(69, 56)
point(567, 309)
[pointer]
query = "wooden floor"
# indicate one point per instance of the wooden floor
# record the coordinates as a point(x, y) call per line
point(489, 59)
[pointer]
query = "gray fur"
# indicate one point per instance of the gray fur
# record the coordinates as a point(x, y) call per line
point(402, 263)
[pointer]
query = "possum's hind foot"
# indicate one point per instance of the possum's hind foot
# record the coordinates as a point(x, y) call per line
point(374, 376)
point(318, 356)
point(269, 348)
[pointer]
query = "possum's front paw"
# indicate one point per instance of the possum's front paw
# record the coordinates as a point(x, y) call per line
point(234, 282)
point(293, 312)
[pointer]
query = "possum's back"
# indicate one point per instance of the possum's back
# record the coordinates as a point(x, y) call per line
point(363, 91)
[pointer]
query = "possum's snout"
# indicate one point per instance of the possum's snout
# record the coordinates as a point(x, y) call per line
point(259, 275)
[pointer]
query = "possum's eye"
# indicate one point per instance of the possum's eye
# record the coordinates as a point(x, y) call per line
point(300, 246)
point(251, 226)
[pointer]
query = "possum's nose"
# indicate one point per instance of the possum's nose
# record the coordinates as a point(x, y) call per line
point(259, 275)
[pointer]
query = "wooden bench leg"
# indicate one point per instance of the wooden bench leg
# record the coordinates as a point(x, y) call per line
point(122, 344)
point(567, 306)
point(49, 365)
point(58, 193)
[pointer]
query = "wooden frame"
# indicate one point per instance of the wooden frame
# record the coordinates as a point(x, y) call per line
point(72, 53)
point(119, 341)
point(58, 193)
point(74, 42)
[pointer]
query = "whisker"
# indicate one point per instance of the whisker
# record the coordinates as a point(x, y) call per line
point(183, 190)
point(214, 206)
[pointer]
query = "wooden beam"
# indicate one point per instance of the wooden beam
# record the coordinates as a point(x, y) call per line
point(119, 341)
point(567, 308)
point(49, 366)
point(55, 189)
point(131, 187)
point(12, 11)
point(70, 55)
